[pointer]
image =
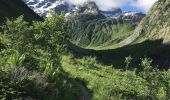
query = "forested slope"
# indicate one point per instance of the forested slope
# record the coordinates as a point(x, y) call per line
point(90, 32)
point(16, 8)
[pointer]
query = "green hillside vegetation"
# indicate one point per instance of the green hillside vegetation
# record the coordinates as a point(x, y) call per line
point(16, 8)
point(108, 83)
point(156, 25)
point(98, 33)
point(30, 61)
point(35, 64)
point(38, 62)
point(155, 50)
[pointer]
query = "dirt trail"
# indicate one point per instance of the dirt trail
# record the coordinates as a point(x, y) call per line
point(85, 94)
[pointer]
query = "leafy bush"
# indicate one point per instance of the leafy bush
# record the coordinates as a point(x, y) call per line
point(19, 83)
point(38, 42)
point(30, 60)
point(107, 83)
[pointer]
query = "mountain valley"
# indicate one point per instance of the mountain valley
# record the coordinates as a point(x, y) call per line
point(57, 50)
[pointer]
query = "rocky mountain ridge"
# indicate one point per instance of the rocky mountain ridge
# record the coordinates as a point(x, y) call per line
point(155, 26)
point(44, 7)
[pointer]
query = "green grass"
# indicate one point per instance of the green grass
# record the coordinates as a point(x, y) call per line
point(153, 49)
point(108, 83)
point(98, 33)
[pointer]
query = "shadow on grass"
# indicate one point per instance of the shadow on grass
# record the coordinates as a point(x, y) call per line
point(158, 52)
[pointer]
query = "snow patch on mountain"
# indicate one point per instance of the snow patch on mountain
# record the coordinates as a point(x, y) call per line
point(43, 7)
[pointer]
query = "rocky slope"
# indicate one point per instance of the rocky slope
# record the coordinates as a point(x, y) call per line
point(156, 25)
point(131, 16)
point(88, 8)
point(43, 7)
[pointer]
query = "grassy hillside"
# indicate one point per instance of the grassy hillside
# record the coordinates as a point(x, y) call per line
point(156, 25)
point(14, 9)
point(36, 64)
point(146, 40)
point(98, 33)
point(155, 50)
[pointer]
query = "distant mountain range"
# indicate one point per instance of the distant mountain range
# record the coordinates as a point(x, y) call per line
point(44, 7)
point(89, 26)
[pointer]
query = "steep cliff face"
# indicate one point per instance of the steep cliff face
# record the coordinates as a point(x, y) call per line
point(132, 16)
point(157, 24)
point(88, 8)
point(44, 7)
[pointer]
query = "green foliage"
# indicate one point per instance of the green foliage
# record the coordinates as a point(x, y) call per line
point(89, 32)
point(39, 42)
point(107, 83)
point(128, 61)
point(156, 81)
point(30, 60)
point(20, 83)
point(31, 66)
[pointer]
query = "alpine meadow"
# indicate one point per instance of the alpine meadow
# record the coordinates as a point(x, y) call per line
point(84, 50)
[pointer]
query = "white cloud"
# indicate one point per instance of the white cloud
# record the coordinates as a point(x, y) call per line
point(144, 5)
point(109, 4)
point(76, 2)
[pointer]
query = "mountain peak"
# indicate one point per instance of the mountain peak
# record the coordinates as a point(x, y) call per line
point(44, 7)
point(87, 8)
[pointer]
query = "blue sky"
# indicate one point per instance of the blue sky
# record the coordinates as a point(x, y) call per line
point(131, 8)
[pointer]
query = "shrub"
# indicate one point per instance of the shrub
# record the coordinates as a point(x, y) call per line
point(107, 83)
point(35, 49)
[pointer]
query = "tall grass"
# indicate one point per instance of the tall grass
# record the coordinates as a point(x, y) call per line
point(108, 83)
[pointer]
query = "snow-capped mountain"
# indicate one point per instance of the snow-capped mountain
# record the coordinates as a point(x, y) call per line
point(44, 7)
point(131, 16)
point(85, 9)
